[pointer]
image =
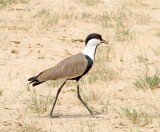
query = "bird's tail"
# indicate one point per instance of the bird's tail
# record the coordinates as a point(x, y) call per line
point(34, 81)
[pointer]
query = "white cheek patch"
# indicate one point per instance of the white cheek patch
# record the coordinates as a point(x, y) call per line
point(93, 42)
point(91, 47)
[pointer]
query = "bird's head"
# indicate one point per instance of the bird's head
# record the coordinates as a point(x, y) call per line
point(94, 39)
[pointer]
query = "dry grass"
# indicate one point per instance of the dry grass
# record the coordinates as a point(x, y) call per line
point(1, 92)
point(4, 3)
point(47, 18)
point(158, 33)
point(156, 51)
point(148, 81)
point(31, 129)
point(39, 103)
point(96, 99)
point(138, 116)
point(119, 22)
point(142, 58)
point(144, 19)
point(90, 2)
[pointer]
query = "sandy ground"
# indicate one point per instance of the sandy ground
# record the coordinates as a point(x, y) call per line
point(36, 35)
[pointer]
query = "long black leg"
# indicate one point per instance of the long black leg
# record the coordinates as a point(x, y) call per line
point(59, 90)
point(79, 96)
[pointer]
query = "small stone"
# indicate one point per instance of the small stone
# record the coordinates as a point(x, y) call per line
point(14, 51)
point(20, 124)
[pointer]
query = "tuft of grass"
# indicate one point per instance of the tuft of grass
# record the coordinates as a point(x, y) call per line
point(93, 94)
point(69, 15)
point(47, 19)
point(137, 116)
point(27, 86)
point(31, 129)
point(157, 50)
point(1, 92)
point(96, 95)
point(132, 115)
point(107, 20)
point(103, 108)
point(148, 81)
point(4, 3)
point(29, 125)
point(158, 33)
point(90, 2)
point(142, 58)
point(122, 30)
point(144, 19)
point(39, 104)
point(118, 21)
point(86, 15)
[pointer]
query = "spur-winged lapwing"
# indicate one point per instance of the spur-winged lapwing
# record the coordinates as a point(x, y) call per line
point(72, 68)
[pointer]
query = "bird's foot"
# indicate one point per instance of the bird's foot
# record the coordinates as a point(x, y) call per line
point(54, 116)
point(95, 115)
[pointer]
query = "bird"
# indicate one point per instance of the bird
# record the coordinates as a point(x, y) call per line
point(71, 68)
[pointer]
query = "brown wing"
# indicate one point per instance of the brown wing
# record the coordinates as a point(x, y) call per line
point(70, 67)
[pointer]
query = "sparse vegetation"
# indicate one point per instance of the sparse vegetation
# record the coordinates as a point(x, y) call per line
point(158, 33)
point(48, 19)
point(86, 15)
point(156, 51)
point(92, 94)
point(119, 22)
point(144, 19)
point(137, 116)
point(142, 58)
point(102, 108)
point(31, 128)
point(148, 81)
point(123, 31)
point(90, 2)
point(40, 103)
point(96, 98)
point(1, 92)
point(69, 15)
point(4, 3)
point(27, 86)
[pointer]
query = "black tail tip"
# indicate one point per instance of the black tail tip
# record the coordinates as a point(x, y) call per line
point(34, 81)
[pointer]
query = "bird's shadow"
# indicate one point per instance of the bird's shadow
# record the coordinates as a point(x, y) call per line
point(67, 116)
point(71, 116)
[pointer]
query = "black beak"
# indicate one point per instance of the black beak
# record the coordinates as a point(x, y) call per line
point(104, 41)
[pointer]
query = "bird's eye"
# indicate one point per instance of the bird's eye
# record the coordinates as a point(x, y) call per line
point(99, 37)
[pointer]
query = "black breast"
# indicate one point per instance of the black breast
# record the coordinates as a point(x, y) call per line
point(90, 63)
